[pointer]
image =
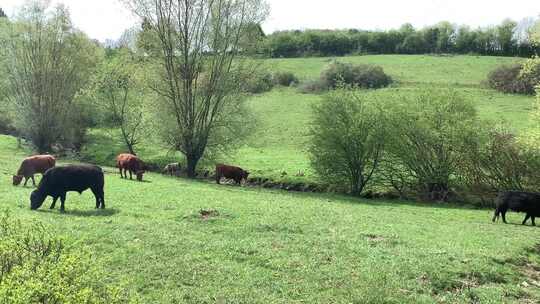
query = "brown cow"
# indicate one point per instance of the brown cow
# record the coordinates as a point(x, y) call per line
point(32, 165)
point(129, 162)
point(231, 172)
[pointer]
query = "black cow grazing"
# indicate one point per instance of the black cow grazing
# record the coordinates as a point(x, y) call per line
point(526, 202)
point(59, 180)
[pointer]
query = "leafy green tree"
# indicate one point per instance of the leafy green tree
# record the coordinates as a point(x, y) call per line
point(2, 14)
point(535, 34)
point(505, 36)
point(118, 89)
point(48, 62)
point(347, 139)
point(198, 70)
point(429, 133)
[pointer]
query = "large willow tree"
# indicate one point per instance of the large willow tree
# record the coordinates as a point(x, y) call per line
point(195, 46)
point(47, 63)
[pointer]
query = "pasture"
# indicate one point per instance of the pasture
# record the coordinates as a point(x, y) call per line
point(279, 142)
point(259, 246)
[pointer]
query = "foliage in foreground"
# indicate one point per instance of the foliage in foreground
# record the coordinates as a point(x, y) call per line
point(38, 268)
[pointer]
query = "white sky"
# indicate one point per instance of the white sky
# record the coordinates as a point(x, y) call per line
point(107, 19)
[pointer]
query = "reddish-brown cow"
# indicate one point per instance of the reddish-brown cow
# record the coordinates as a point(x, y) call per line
point(32, 165)
point(235, 173)
point(130, 163)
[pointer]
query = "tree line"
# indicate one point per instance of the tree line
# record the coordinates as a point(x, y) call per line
point(509, 38)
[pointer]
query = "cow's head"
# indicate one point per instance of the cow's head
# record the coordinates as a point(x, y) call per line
point(139, 175)
point(36, 199)
point(17, 179)
point(246, 174)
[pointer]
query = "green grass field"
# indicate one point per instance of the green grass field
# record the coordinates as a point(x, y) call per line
point(279, 143)
point(278, 247)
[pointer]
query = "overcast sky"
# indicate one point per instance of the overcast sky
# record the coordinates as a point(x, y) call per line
point(107, 19)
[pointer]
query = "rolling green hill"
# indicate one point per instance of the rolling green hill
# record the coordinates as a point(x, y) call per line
point(260, 246)
point(279, 143)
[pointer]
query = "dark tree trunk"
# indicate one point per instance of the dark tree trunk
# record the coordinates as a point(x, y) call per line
point(192, 161)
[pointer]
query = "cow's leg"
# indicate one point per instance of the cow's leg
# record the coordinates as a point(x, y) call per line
point(33, 180)
point(503, 214)
point(62, 201)
point(102, 199)
point(96, 195)
point(130, 175)
point(218, 178)
point(54, 202)
point(527, 217)
point(121, 174)
point(25, 181)
point(495, 215)
point(532, 219)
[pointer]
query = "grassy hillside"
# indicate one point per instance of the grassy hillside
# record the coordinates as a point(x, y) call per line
point(279, 143)
point(276, 247)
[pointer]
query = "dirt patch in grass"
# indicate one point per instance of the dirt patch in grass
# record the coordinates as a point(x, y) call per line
point(207, 214)
point(375, 239)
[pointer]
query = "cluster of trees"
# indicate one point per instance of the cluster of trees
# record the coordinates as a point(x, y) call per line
point(58, 82)
point(507, 39)
point(427, 145)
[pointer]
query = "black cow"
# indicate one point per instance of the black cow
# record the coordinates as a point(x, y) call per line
point(526, 202)
point(59, 180)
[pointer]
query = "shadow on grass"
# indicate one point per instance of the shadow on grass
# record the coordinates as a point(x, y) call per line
point(85, 213)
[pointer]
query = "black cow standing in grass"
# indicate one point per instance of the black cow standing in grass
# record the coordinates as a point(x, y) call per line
point(526, 202)
point(56, 182)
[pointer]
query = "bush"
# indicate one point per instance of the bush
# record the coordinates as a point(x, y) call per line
point(499, 162)
point(430, 133)
point(285, 79)
point(362, 76)
point(347, 139)
point(312, 86)
point(530, 74)
point(516, 78)
point(259, 82)
point(39, 268)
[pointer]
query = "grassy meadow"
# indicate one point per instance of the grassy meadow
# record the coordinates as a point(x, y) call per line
point(279, 143)
point(261, 246)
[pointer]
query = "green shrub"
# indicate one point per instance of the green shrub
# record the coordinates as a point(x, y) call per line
point(363, 76)
point(429, 134)
point(312, 86)
point(38, 268)
point(259, 82)
point(516, 78)
point(285, 79)
point(347, 139)
point(498, 161)
point(530, 74)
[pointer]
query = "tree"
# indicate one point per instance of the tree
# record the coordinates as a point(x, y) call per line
point(116, 86)
point(2, 14)
point(199, 71)
point(535, 34)
point(429, 137)
point(347, 139)
point(48, 63)
point(505, 36)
